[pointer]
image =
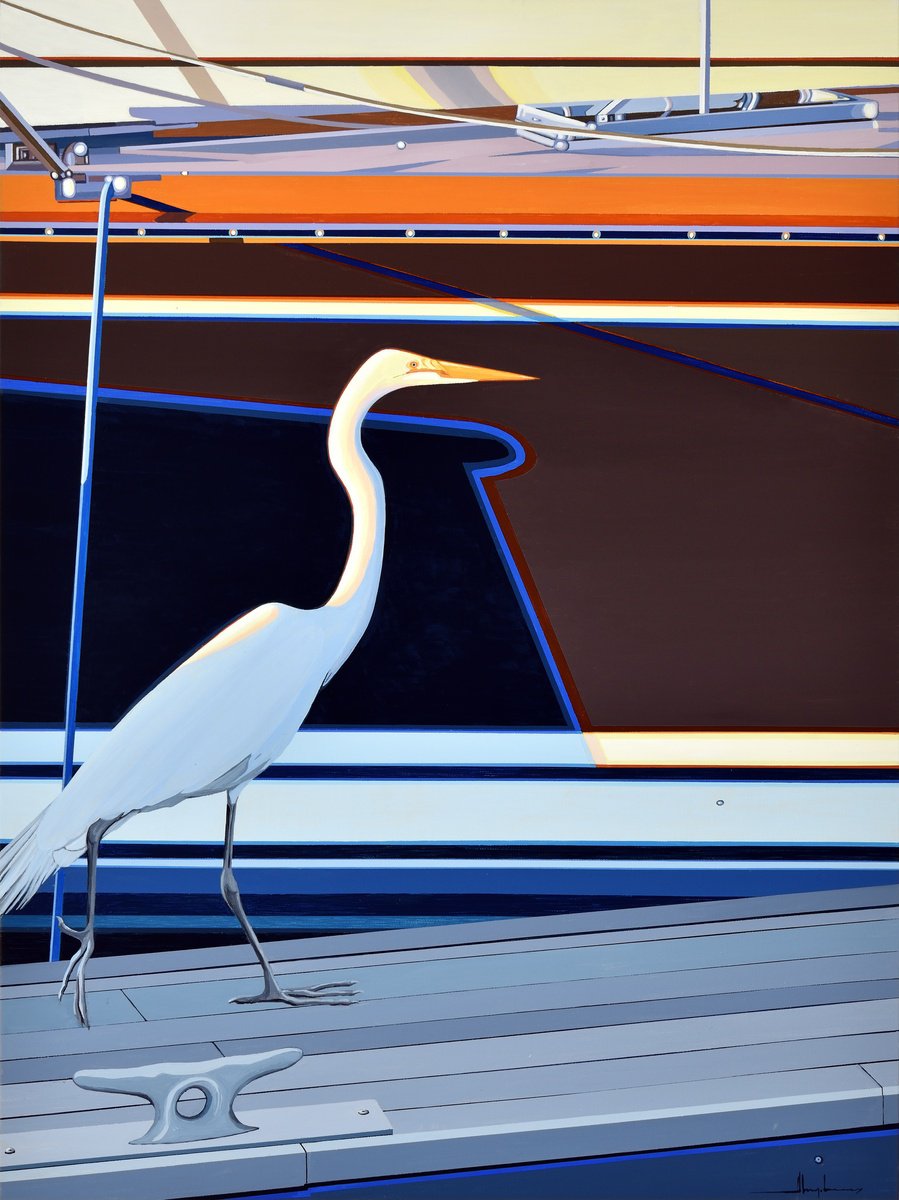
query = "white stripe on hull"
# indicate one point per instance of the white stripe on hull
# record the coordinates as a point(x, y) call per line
point(502, 812)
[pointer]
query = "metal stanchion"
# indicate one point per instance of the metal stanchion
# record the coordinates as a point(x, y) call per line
point(84, 515)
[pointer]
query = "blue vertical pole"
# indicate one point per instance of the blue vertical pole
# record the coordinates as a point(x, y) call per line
point(84, 517)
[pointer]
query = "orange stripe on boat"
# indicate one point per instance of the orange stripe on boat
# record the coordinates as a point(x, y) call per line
point(318, 199)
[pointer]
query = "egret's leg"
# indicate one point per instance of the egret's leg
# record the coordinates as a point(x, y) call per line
point(80, 958)
point(322, 993)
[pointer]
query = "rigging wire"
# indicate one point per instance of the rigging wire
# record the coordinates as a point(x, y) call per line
point(442, 115)
point(195, 101)
point(584, 329)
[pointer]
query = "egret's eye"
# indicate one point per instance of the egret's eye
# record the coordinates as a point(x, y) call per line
point(413, 365)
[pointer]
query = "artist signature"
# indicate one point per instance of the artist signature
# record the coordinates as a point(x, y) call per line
point(803, 1188)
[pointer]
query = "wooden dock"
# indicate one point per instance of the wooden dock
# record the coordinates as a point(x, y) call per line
point(737, 1046)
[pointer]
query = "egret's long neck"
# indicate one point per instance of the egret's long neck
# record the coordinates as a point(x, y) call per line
point(365, 489)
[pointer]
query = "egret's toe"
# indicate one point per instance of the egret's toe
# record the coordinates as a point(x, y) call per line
point(322, 993)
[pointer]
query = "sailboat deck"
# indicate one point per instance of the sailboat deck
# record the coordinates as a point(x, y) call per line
point(480, 1045)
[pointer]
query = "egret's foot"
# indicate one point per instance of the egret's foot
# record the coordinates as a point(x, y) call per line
point(318, 993)
point(77, 964)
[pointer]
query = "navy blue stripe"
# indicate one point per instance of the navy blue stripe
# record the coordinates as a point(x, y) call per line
point(604, 335)
point(368, 852)
point(287, 771)
point(284, 901)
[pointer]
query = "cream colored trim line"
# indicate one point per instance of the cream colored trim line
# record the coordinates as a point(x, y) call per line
point(305, 308)
point(750, 749)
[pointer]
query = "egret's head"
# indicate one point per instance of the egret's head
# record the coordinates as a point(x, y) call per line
point(403, 368)
point(417, 369)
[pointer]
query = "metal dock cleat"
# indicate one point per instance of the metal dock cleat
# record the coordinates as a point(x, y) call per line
point(165, 1084)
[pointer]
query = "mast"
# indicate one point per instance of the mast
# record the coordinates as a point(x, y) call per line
point(705, 53)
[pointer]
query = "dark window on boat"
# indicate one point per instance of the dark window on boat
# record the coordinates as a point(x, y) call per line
point(199, 516)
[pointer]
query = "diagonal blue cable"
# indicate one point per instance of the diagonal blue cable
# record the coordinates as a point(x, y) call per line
point(605, 335)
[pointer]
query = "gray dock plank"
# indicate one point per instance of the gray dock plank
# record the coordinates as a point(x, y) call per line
point(612, 1041)
point(520, 1066)
point(47, 1012)
point(167, 1177)
point(421, 1032)
point(788, 1104)
point(92, 1143)
point(677, 1098)
point(27, 1070)
point(495, 949)
point(508, 1041)
point(846, 969)
point(616, 1121)
point(260, 1029)
point(259, 1021)
point(839, 900)
point(597, 1075)
point(521, 946)
point(886, 1076)
point(599, 963)
point(400, 1084)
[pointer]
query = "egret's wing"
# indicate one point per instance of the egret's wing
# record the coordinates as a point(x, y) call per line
point(240, 697)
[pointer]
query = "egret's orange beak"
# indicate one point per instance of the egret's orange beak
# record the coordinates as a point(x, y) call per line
point(465, 373)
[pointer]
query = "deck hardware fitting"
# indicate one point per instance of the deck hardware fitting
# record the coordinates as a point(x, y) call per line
point(644, 117)
point(35, 142)
point(165, 1084)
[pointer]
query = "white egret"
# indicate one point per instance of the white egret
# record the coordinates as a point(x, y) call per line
point(221, 717)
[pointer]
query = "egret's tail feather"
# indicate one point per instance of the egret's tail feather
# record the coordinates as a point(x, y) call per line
point(24, 865)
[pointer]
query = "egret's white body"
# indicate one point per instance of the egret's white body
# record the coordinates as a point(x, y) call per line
point(227, 712)
point(212, 725)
